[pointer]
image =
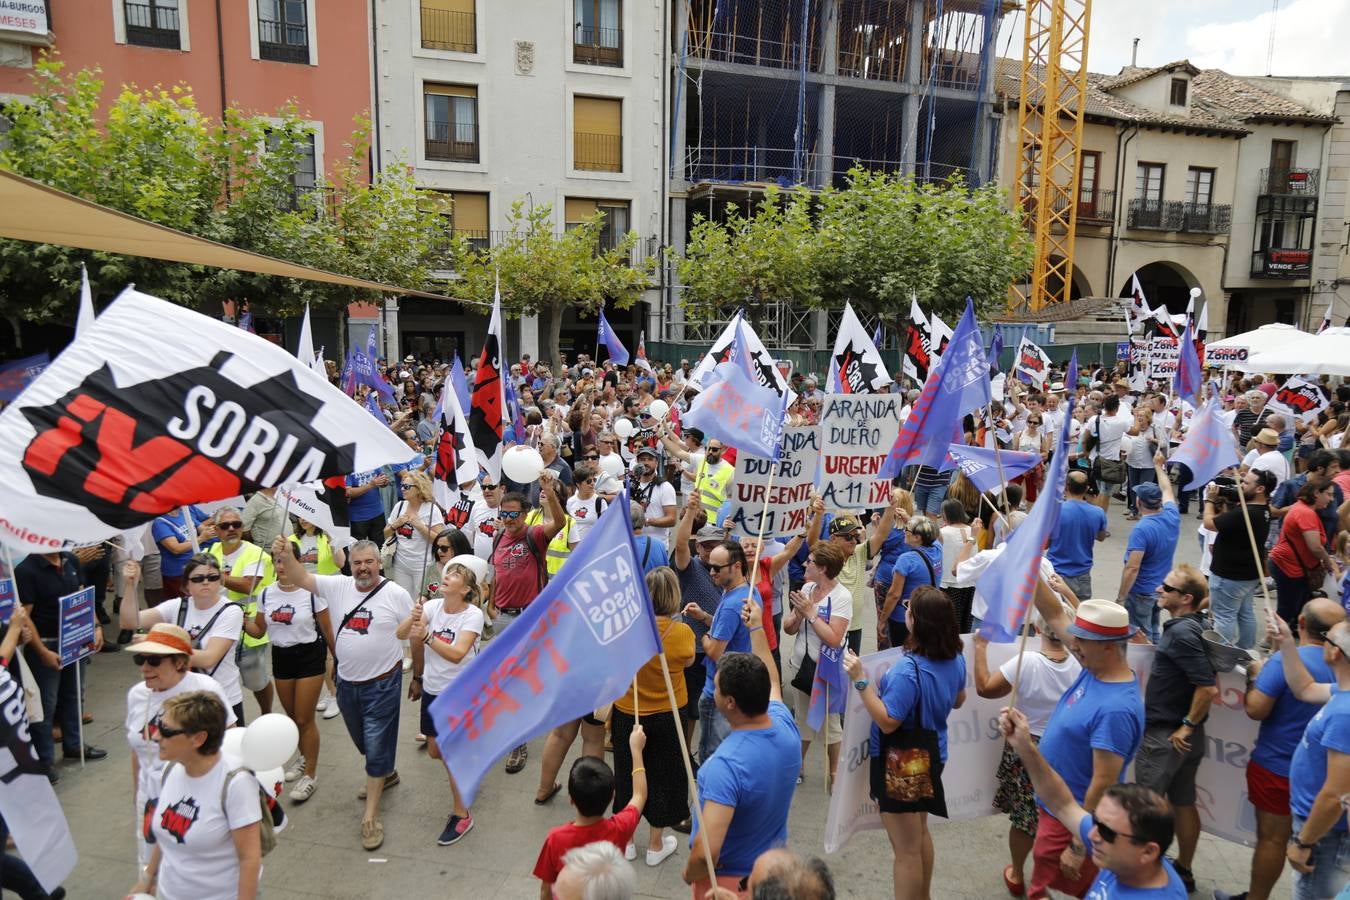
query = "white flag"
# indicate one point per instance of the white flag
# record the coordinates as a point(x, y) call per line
point(487, 410)
point(856, 366)
point(938, 337)
point(1032, 364)
point(766, 371)
point(918, 344)
point(86, 315)
point(324, 504)
point(304, 350)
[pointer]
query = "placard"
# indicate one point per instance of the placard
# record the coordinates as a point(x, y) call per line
point(77, 626)
point(793, 478)
point(857, 431)
point(1122, 351)
point(1225, 356)
point(28, 16)
point(1163, 357)
point(1300, 398)
point(7, 598)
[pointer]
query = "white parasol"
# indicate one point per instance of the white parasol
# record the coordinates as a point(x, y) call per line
point(1327, 353)
point(1250, 343)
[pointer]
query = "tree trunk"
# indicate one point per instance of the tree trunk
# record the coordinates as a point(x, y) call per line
point(555, 315)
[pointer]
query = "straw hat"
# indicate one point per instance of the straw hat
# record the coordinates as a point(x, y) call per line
point(1268, 436)
point(1101, 620)
point(164, 639)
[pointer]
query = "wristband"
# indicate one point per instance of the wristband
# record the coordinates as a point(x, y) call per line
point(758, 628)
point(1299, 843)
point(639, 769)
point(417, 678)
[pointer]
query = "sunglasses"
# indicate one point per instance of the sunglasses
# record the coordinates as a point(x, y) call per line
point(592, 457)
point(714, 568)
point(510, 513)
point(1109, 834)
point(202, 579)
point(141, 659)
point(443, 548)
point(229, 525)
point(490, 487)
point(166, 732)
point(1170, 589)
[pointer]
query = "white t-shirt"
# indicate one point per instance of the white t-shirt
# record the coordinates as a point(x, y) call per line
point(195, 835)
point(1052, 421)
point(1043, 683)
point(1113, 428)
point(662, 495)
point(229, 624)
point(584, 515)
point(438, 673)
point(954, 539)
point(368, 646)
point(410, 552)
point(840, 602)
point(469, 512)
point(290, 620)
point(689, 469)
point(142, 726)
point(1271, 461)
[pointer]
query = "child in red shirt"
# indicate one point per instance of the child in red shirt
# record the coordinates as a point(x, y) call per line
point(590, 787)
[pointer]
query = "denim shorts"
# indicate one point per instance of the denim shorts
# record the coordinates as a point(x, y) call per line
point(370, 712)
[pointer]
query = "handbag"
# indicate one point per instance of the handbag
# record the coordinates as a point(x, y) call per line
point(806, 673)
point(911, 763)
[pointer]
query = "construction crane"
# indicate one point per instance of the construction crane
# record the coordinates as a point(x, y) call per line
point(1050, 135)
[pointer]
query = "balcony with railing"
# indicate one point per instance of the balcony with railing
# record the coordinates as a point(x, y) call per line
point(597, 152)
point(1149, 214)
point(1205, 218)
point(283, 41)
point(762, 165)
point(444, 29)
point(1097, 209)
point(452, 141)
point(1291, 181)
point(1190, 218)
point(152, 25)
point(592, 46)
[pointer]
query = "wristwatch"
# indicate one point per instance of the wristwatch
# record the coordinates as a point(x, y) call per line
point(1298, 842)
point(861, 685)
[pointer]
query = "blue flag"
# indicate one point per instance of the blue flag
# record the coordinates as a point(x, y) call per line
point(17, 375)
point(515, 426)
point(736, 409)
point(1209, 447)
point(605, 335)
point(573, 650)
point(878, 336)
point(373, 407)
point(1188, 377)
point(459, 382)
point(981, 465)
point(958, 384)
point(829, 690)
point(996, 350)
point(1009, 584)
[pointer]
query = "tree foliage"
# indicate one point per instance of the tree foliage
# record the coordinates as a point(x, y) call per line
point(543, 272)
point(874, 242)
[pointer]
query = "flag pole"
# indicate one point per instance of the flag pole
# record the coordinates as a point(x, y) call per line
point(637, 713)
point(763, 515)
point(191, 528)
point(1256, 554)
point(1021, 651)
point(697, 810)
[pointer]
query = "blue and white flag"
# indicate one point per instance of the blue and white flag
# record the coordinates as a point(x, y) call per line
point(1209, 447)
point(573, 650)
point(605, 335)
point(829, 689)
point(996, 350)
point(372, 405)
point(735, 408)
point(1009, 584)
point(459, 382)
point(981, 464)
point(1187, 381)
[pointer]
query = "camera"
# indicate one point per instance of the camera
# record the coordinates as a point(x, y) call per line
point(1227, 488)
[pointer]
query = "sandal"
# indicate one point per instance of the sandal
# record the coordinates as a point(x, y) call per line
point(1016, 888)
point(552, 792)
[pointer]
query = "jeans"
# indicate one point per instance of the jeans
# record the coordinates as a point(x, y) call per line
point(1331, 865)
point(1143, 609)
point(370, 712)
point(1230, 602)
point(1133, 478)
point(56, 686)
point(1081, 585)
point(713, 728)
point(929, 499)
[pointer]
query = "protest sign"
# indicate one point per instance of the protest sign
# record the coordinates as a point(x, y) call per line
point(1032, 364)
point(1225, 356)
point(1163, 356)
point(1122, 351)
point(77, 626)
point(974, 747)
point(857, 432)
point(1300, 398)
point(6, 597)
point(793, 477)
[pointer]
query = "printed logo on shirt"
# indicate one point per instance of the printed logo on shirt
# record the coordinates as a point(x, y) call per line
point(485, 528)
point(445, 635)
point(194, 632)
point(283, 615)
point(458, 515)
point(178, 819)
point(360, 623)
point(580, 512)
point(151, 730)
point(1076, 695)
point(433, 589)
point(405, 530)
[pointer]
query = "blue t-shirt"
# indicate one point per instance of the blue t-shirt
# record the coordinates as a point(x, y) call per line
point(1279, 733)
point(171, 526)
point(1070, 549)
point(937, 682)
point(651, 553)
point(916, 574)
point(1328, 730)
point(1108, 887)
point(727, 626)
point(1092, 715)
point(755, 773)
point(1157, 536)
point(891, 549)
point(369, 505)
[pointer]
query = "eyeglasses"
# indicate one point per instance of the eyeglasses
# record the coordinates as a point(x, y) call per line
point(714, 568)
point(714, 449)
point(229, 525)
point(141, 659)
point(510, 513)
point(1109, 834)
point(202, 579)
point(166, 732)
point(1171, 590)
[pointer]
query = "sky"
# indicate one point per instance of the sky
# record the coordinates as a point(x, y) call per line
point(1311, 36)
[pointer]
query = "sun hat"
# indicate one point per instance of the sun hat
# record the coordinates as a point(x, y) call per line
point(1101, 620)
point(1268, 436)
point(164, 639)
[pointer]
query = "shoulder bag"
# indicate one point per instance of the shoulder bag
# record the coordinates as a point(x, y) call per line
point(354, 610)
point(911, 761)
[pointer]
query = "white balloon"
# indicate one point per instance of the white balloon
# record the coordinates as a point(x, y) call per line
point(658, 409)
point(522, 464)
point(269, 741)
point(612, 464)
point(233, 744)
point(272, 781)
point(623, 428)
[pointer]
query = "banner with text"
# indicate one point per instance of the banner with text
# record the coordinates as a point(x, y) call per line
point(1225, 356)
point(974, 747)
point(1300, 398)
point(793, 477)
point(857, 431)
point(1163, 355)
point(77, 626)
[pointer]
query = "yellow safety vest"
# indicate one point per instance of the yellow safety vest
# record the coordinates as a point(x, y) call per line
point(245, 564)
point(712, 485)
point(558, 548)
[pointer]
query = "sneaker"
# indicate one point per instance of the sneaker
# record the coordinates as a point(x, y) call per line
point(304, 789)
point(630, 851)
point(1224, 895)
point(372, 834)
point(420, 738)
point(296, 769)
point(668, 845)
point(455, 828)
point(389, 781)
point(332, 712)
point(322, 705)
point(515, 760)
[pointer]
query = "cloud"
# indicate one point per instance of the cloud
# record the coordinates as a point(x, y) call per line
point(1309, 40)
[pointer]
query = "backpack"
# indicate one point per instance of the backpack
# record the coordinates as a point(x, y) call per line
point(267, 826)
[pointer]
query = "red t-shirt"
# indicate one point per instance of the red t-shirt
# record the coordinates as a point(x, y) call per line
point(1291, 551)
point(517, 571)
point(617, 829)
point(765, 588)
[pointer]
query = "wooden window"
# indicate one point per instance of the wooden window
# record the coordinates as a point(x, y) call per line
point(597, 134)
point(153, 23)
point(1199, 186)
point(614, 226)
point(597, 32)
point(283, 31)
point(451, 121)
point(1149, 182)
point(1179, 88)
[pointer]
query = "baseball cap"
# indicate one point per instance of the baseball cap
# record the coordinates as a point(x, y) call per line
point(1149, 495)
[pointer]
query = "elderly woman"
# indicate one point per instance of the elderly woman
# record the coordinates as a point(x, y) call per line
point(668, 787)
point(445, 635)
point(164, 659)
point(920, 564)
point(220, 858)
point(414, 523)
point(213, 623)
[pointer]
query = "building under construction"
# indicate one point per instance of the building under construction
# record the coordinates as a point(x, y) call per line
point(797, 92)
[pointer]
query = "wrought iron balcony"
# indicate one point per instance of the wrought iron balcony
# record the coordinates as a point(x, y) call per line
point(1289, 180)
point(452, 141)
point(1150, 214)
point(152, 25)
point(1205, 218)
point(283, 41)
point(593, 46)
